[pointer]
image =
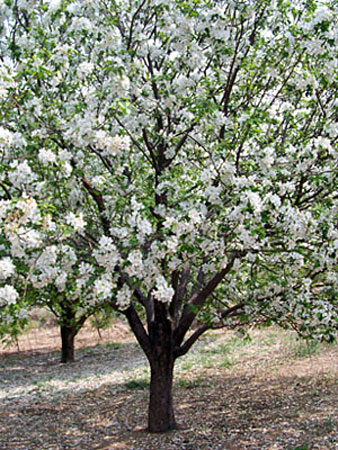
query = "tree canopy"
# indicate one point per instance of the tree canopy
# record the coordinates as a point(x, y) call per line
point(173, 157)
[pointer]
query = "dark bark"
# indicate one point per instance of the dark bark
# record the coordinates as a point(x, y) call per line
point(70, 325)
point(196, 302)
point(161, 416)
point(163, 344)
point(138, 330)
point(67, 339)
point(158, 346)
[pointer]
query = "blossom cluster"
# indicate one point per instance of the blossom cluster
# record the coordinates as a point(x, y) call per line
point(136, 150)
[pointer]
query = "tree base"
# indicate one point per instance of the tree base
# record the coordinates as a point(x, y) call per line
point(164, 430)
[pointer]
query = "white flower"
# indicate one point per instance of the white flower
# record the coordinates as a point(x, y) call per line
point(268, 159)
point(213, 193)
point(22, 174)
point(163, 292)
point(8, 295)
point(275, 200)
point(125, 83)
point(194, 216)
point(245, 236)
point(4, 206)
point(255, 201)
point(29, 208)
point(114, 144)
point(81, 23)
point(123, 297)
point(60, 281)
point(332, 129)
point(84, 69)
point(47, 223)
point(31, 238)
point(66, 169)
point(5, 136)
point(7, 267)
point(322, 14)
point(106, 254)
point(64, 155)
point(228, 172)
point(103, 287)
point(172, 244)
point(143, 225)
point(136, 266)
point(85, 269)
point(174, 55)
point(54, 5)
point(46, 156)
point(76, 221)
point(69, 257)
point(48, 257)
point(169, 221)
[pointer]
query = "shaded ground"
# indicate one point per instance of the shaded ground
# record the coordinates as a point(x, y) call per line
point(270, 393)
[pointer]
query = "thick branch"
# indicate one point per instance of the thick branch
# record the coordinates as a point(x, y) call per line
point(150, 148)
point(97, 197)
point(197, 300)
point(185, 347)
point(138, 330)
point(179, 293)
point(147, 303)
point(8, 195)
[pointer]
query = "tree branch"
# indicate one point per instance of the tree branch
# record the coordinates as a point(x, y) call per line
point(185, 347)
point(193, 306)
point(139, 331)
point(179, 293)
point(97, 197)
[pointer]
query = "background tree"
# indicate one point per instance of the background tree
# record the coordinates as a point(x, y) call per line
point(48, 273)
point(192, 148)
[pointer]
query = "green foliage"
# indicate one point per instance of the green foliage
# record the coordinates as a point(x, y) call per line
point(10, 332)
point(114, 345)
point(140, 383)
point(304, 446)
point(306, 348)
point(192, 383)
point(235, 342)
point(103, 319)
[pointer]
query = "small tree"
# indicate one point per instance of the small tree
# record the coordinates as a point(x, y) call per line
point(48, 273)
point(197, 142)
point(71, 314)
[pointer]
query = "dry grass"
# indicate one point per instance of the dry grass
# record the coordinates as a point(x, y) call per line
point(270, 393)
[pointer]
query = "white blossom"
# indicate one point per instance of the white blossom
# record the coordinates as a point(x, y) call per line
point(123, 297)
point(107, 254)
point(103, 288)
point(7, 268)
point(76, 221)
point(6, 137)
point(8, 295)
point(136, 264)
point(21, 175)
point(163, 292)
point(254, 200)
point(46, 156)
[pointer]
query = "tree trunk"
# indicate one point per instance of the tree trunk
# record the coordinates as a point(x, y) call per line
point(67, 339)
point(161, 412)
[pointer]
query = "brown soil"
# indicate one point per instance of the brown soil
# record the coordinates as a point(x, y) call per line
point(263, 397)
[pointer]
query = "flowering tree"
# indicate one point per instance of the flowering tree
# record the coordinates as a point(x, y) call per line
point(177, 159)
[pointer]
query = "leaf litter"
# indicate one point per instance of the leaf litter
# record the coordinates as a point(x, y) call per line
point(267, 393)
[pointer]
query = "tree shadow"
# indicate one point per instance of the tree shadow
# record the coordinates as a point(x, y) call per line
point(35, 368)
point(221, 412)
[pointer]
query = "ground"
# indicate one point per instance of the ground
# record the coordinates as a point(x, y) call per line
point(231, 393)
